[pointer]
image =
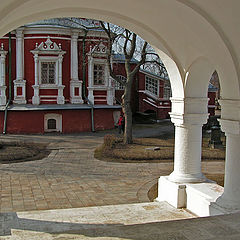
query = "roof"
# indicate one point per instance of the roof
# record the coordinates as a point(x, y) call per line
point(80, 23)
point(163, 76)
point(121, 58)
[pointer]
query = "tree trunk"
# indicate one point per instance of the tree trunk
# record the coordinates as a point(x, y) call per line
point(127, 138)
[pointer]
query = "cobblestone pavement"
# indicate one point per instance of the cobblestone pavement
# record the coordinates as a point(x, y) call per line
point(70, 177)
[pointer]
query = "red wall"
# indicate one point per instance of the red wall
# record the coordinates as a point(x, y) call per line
point(73, 121)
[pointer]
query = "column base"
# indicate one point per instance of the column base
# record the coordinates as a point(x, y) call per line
point(3, 100)
point(223, 206)
point(19, 91)
point(61, 100)
point(187, 178)
point(76, 100)
point(173, 193)
point(19, 101)
point(198, 198)
point(36, 100)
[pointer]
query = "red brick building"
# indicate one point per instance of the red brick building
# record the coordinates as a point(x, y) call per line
point(60, 81)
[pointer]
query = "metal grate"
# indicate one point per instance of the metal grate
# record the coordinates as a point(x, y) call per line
point(48, 72)
point(98, 74)
point(52, 123)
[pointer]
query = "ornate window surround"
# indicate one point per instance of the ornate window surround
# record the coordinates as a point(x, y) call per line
point(98, 55)
point(48, 51)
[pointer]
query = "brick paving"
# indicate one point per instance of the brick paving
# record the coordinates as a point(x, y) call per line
point(70, 177)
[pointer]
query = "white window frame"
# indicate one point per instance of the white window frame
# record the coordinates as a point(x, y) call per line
point(118, 85)
point(48, 59)
point(104, 73)
point(93, 61)
point(151, 92)
point(167, 91)
point(57, 117)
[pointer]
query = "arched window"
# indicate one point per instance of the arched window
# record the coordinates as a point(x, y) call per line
point(51, 124)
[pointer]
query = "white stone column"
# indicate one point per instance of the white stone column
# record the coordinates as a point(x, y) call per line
point(3, 87)
point(19, 83)
point(75, 83)
point(188, 116)
point(230, 124)
point(36, 98)
point(60, 97)
point(188, 146)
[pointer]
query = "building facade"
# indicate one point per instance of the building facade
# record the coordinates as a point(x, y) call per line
point(60, 80)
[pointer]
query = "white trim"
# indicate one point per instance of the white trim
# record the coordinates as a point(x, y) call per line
point(152, 75)
point(49, 100)
point(57, 117)
point(145, 100)
point(48, 59)
point(39, 37)
point(152, 79)
point(48, 96)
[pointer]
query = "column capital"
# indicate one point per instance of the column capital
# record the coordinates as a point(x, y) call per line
point(230, 126)
point(230, 109)
point(188, 118)
point(19, 32)
point(75, 34)
point(189, 105)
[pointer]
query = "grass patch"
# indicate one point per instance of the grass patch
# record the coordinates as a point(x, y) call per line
point(141, 149)
point(14, 152)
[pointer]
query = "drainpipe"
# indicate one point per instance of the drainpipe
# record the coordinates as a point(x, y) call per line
point(84, 81)
point(10, 81)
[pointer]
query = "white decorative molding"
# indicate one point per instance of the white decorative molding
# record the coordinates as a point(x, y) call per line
point(44, 49)
point(57, 118)
point(75, 84)
point(3, 87)
point(19, 82)
point(97, 55)
point(48, 45)
point(99, 49)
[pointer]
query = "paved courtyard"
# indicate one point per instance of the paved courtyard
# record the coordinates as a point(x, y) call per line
point(70, 177)
point(79, 197)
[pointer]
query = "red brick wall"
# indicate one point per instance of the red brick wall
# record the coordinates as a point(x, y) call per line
point(73, 121)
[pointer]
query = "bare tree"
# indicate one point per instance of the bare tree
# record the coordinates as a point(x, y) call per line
point(130, 47)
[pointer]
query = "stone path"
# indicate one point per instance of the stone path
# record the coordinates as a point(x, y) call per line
point(70, 177)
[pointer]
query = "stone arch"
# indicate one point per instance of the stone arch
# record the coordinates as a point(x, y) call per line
point(197, 78)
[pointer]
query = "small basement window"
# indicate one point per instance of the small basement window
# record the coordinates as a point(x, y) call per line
point(52, 122)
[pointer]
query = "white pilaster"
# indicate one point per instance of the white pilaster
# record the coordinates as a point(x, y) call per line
point(36, 98)
point(19, 82)
point(230, 124)
point(75, 84)
point(90, 79)
point(3, 87)
point(60, 97)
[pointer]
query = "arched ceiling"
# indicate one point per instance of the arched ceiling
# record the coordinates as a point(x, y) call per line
point(183, 29)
